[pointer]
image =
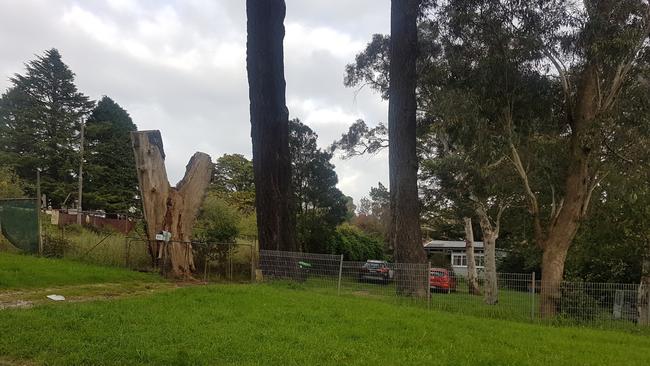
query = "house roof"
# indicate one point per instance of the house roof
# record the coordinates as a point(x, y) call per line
point(450, 244)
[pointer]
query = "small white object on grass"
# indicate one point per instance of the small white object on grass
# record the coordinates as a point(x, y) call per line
point(56, 297)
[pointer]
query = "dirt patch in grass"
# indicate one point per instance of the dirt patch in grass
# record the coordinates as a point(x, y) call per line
point(83, 293)
point(13, 362)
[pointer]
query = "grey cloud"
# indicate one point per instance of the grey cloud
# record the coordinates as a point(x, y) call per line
point(206, 107)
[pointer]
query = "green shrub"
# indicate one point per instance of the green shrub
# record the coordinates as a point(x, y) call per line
point(55, 246)
point(355, 245)
point(217, 222)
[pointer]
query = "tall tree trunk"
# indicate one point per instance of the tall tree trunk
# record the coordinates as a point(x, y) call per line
point(643, 300)
point(578, 183)
point(269, 123)
point(166, 208)
point(472, 276)
point(405, 236)
point(553, 259)
point(490, 236)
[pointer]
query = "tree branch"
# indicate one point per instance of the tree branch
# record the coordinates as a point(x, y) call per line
point(533, 205)
point(624, 67)
point(595, 182)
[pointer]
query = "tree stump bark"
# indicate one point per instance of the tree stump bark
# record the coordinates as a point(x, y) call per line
point(167, 208)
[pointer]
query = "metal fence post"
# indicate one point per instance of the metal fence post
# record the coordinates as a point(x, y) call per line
point(126, 252)
point(428, 287)
point(532, 298)
point(338, 289)
point(252, 263)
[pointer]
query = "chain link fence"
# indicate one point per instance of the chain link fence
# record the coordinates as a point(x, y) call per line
point(606, 305)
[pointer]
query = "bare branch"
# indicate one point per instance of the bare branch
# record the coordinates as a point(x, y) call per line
point(533, 205)
point(561, 70)
point(624, 67)
point(595, 182)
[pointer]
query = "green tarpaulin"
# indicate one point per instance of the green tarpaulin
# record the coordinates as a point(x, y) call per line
point(19, 223)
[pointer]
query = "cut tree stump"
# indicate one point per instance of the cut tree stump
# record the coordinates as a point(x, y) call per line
point(167, 208)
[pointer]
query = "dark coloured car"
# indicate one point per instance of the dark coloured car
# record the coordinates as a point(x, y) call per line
point(376, 270)
point(442, 279)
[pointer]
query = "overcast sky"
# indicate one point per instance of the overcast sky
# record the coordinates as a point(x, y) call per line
point(180, 67)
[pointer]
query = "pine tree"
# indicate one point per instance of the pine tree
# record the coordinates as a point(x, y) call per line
point(39, 122)
point(110, 181)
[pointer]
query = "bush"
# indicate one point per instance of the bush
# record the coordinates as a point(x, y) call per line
point(55, 246)
point(355, 245)
point(217, 222)
point(10, 185)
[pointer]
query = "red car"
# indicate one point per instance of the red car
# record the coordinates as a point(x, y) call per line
point(441, 279)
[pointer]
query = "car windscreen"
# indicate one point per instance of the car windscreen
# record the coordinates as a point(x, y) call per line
point(372, 265)
point(438, 273)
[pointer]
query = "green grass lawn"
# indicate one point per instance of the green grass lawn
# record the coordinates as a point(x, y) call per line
point(281, 325)
point(19, 272)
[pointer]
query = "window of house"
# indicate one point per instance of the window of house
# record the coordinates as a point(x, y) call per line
point(480, 260)
point(460, 260)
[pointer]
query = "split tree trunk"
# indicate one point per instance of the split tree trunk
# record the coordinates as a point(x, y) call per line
point(472, 276)
point(490, 236)
point(166, 208)
point(269, 124)
point(405, 236)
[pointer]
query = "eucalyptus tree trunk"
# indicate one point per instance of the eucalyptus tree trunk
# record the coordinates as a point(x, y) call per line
point(269, 123)
point(490, 236)
point(405, 236)
point(472, 276)
point(166, 208)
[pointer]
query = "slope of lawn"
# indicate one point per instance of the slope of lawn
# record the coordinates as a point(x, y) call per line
point(28, 272)
point(281, 325)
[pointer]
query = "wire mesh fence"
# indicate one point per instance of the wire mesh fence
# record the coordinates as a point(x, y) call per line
point(516, 296)
point(330, 273)
point(322, 269)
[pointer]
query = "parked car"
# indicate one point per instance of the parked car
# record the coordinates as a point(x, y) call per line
point(376, 270)
point(442, 279)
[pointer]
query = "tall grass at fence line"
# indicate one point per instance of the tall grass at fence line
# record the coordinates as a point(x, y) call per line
point(6, 246)
point(104, 247)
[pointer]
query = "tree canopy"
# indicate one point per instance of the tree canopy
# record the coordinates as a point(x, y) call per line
point(110, 182)
point(40, 116)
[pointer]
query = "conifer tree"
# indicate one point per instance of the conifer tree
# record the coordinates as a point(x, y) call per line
point(40, 116)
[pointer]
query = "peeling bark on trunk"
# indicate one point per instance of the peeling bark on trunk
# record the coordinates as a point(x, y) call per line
point(491, 284)
point(269, 124)
point(643, 299)
point(472, 276)
point(405, 236)
point(490, 236)
point(553, 259)
point(166, 208)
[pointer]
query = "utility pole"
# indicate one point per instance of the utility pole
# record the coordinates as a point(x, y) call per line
point(81, 170)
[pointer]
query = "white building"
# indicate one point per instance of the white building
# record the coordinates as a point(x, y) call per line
point(454, 250)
